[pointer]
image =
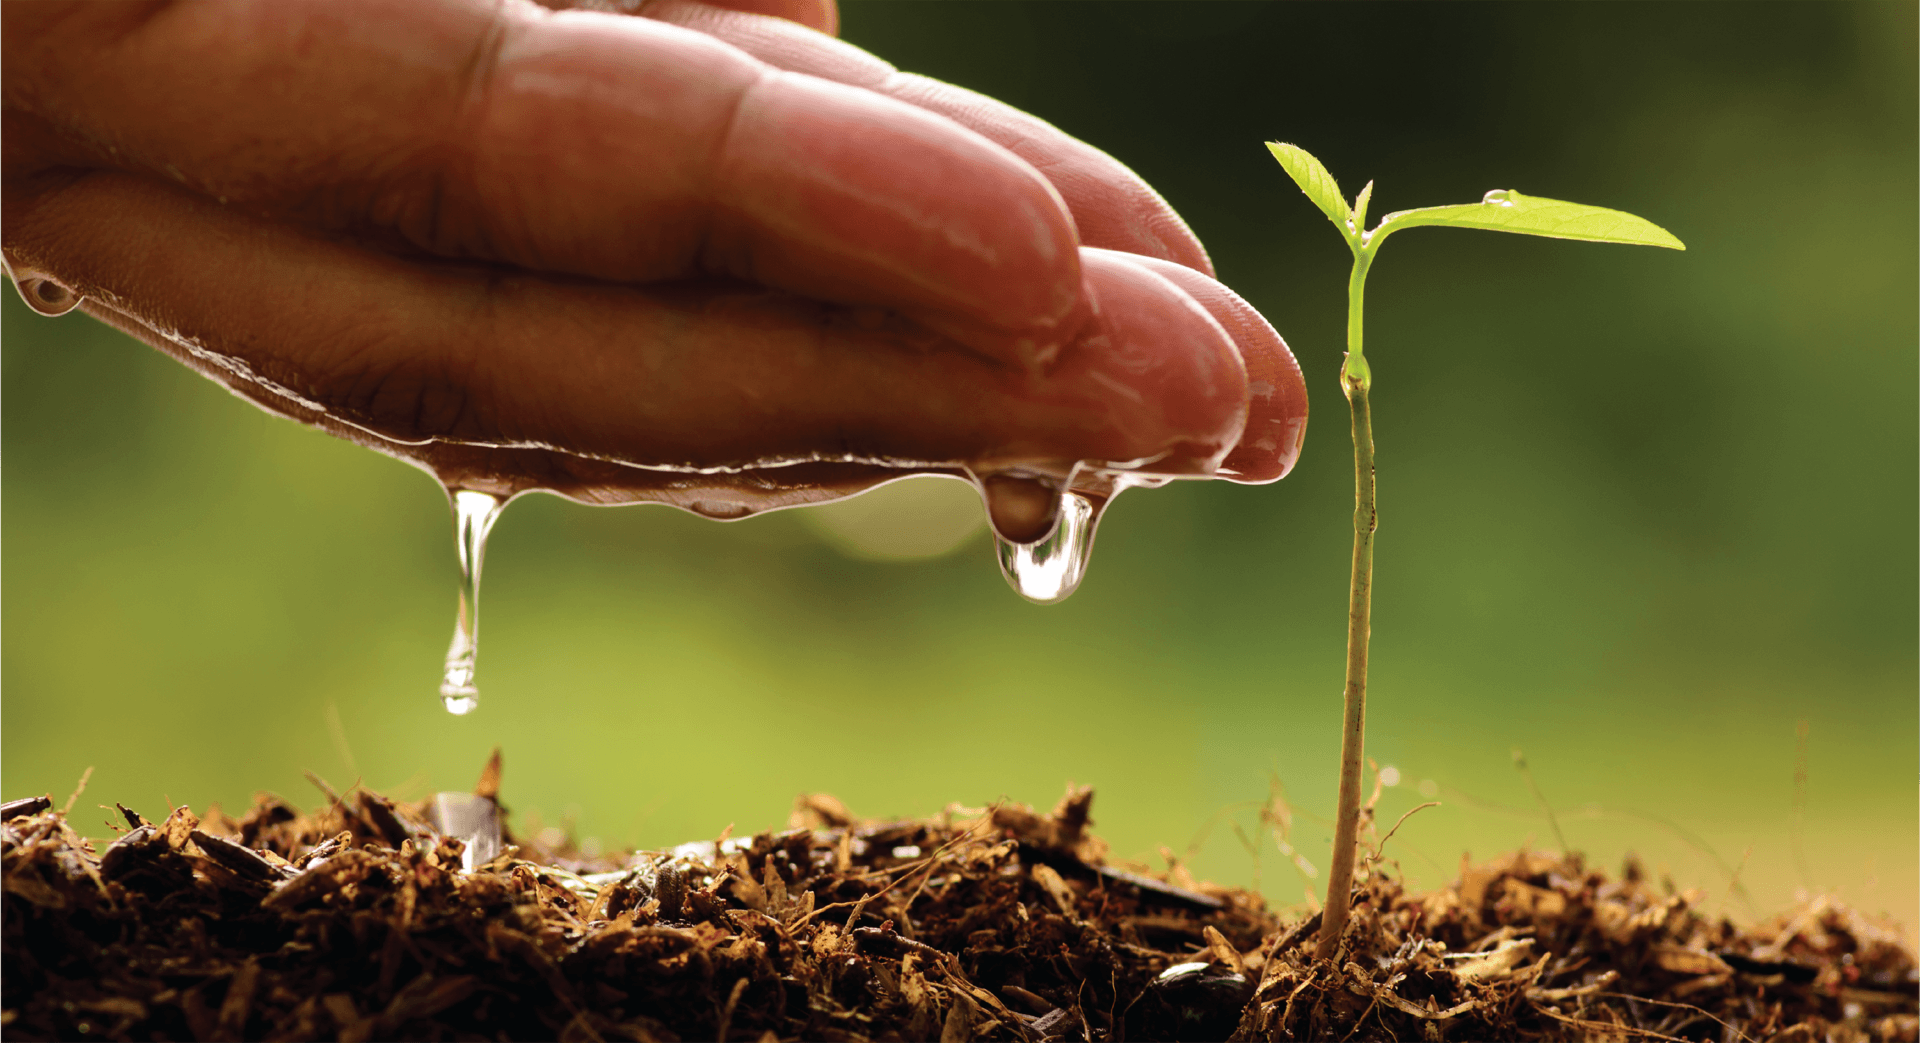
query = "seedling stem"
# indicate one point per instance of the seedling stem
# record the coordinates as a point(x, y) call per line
point(1356, 379)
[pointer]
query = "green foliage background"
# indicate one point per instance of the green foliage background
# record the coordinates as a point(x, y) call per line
point(1641, 511)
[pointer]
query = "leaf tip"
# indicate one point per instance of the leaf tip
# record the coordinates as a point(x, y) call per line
point(1664, 239)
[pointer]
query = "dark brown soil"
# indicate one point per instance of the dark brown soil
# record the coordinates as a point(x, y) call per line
point(356, 922)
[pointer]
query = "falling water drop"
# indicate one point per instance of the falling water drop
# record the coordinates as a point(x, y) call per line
point(47, 296)
point(473, 516)
point(1051, 568)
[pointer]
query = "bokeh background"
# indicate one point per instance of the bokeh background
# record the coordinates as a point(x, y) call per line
point(1644, 513)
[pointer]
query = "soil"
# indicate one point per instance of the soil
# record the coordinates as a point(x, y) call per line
point(357, 921)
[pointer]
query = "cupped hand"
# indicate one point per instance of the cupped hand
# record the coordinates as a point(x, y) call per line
point(703, 256)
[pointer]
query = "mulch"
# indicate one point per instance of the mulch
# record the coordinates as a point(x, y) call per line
point(361, 920)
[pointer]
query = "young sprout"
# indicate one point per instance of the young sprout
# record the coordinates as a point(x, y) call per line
point(1502, 210)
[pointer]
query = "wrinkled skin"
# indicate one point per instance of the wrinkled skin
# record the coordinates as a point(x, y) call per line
point(674, 252)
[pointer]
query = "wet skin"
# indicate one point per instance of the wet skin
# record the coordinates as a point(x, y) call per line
point(652, 252)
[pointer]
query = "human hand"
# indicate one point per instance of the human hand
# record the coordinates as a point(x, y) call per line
point(623, 258)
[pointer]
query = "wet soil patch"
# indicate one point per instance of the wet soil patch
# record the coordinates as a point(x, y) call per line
point(369, 919)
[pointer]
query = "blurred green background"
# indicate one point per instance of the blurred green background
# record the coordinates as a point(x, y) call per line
point(1643, 512)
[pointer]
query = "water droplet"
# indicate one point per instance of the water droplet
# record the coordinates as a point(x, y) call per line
point(1499, 196)
point(473, 516)
point(721, 510)
point(1021, 509)
point(1050, 569)
point(47, 296)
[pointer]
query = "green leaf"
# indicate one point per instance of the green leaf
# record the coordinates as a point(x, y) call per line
point(1313, 179)
point(1507, 211)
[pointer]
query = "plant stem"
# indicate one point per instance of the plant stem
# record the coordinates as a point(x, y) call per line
point(1356, 379)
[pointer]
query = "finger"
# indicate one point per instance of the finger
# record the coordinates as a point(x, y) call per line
point(507, 472)
point(1111, 205)
point(819, 15)
point(693, 377)
point(617, 148)
point(1277, 417)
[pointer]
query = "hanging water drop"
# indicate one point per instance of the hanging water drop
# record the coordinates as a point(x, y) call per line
point(47, 296)
point(1051, 568)
point(473, 516)
point(1020, 508)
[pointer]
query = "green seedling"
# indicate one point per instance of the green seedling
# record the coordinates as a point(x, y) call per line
point(1500, 211)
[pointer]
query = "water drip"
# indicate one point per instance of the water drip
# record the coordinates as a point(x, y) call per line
point(47, 296)
point(1020, 508)
point(1059, 517)
point(473, 516)
point(720, 510)
point(1050, 569)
